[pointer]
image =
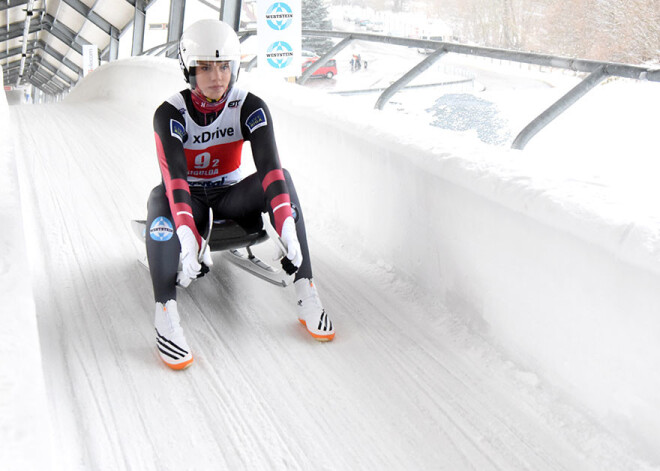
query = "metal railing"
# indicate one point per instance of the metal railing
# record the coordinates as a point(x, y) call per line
point(597, 71)
point(161, 49)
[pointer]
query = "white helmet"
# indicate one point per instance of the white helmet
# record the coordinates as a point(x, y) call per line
point(209, 40)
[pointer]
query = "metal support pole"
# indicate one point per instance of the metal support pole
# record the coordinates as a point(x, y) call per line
point(113, 47)
point(408, 77)
point(175, 28)
point(139, 20)
point(559, 107)
point(323, 59)
point(250, 65)
point(230, 13)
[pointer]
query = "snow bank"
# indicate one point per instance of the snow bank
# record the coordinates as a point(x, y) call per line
point(14, 97)
point(562, 273)
point(136, 81)
point(24, 417)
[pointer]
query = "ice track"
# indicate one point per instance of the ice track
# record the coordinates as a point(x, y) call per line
point(404, 386)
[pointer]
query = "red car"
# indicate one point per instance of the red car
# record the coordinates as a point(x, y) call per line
point(327, 70)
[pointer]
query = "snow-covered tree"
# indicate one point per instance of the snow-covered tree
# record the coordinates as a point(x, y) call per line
point(608, 30)
point(315, 16)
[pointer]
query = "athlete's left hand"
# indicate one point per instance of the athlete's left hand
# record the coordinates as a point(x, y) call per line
point(294, 252)
point(193, 263)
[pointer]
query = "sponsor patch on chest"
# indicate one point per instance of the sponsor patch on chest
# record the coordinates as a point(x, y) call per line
point(256, 120)
point(206, 136)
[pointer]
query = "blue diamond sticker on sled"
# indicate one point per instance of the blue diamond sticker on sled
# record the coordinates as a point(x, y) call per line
point(236, 240)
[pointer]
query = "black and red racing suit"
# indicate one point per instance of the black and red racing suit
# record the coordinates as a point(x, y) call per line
point(199, 151)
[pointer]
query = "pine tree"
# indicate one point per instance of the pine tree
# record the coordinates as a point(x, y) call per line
point(315, 16)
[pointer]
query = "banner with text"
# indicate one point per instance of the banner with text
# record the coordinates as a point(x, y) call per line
point(90, 58)
point(279, 33)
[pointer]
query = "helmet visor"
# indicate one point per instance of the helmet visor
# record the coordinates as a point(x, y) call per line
point(234, 66)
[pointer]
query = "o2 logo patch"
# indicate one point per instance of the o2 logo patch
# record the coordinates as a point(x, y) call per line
point(161, 229)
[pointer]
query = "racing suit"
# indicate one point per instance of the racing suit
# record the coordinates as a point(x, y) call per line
point(199, 153)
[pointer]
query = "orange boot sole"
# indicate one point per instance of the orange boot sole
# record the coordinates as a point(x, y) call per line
point(319, 337)
point(179, 366)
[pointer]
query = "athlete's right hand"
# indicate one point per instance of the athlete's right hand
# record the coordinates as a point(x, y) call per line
point(293, 256)
point(190, 266)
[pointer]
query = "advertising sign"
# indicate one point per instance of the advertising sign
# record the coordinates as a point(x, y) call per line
point(90, 58)
point(279, 33)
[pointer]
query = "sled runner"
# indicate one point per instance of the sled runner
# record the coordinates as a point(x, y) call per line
point(236, 239)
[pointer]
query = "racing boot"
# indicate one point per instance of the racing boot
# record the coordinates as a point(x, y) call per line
point(172, 346)
point(311, 313)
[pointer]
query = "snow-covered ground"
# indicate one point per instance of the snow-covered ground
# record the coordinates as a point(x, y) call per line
point(410, 382)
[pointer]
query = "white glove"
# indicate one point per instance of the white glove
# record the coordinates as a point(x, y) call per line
point(290, 239)
point(190, 266)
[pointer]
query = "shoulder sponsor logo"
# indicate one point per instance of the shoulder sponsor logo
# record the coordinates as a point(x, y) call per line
point(177, 130)
point(234, 104)
point(182, 111)
point(256, 120)
point(161, 229)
